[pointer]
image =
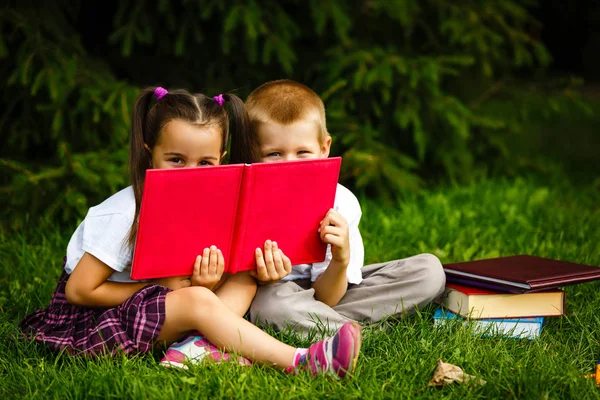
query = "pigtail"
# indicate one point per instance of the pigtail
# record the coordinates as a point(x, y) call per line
point(139, 156)
point(244, 147)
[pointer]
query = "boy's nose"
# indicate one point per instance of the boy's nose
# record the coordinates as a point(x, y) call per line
point(290, 157)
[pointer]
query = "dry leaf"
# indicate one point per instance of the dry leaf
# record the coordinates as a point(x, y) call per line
point(446, 374)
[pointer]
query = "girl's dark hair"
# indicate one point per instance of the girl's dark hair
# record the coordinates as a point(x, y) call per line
point(148, 121)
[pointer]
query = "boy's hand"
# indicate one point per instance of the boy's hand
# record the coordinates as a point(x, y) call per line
point(208, 268)
point(273, 265)
point(334, 231)
point(174, 282)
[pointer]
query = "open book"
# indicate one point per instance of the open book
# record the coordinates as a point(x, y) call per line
point(236, 208)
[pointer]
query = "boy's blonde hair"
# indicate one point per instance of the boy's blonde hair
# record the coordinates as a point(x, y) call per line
point(284, 102)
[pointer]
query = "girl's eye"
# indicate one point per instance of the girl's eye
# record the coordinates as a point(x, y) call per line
point(176, 160)
point(274, 154)
point(205, 162)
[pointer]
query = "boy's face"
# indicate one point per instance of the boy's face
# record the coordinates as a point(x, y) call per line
point(296, 141)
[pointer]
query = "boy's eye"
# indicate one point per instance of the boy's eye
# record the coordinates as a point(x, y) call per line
point(274, 154)
point(304, 152)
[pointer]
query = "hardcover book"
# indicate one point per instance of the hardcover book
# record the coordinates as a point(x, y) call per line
point(236, 208)
point(518, 328)
point(477, 303)
point(520, 273)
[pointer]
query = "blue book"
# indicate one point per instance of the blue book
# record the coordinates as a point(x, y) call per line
point(518, 328)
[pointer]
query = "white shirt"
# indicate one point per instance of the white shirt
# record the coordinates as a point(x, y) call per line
point(348, 206)
point(103, 233)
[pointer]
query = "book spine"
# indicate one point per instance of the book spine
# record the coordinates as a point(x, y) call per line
point(240, 226)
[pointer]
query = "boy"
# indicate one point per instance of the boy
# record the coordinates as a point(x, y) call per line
point(287, 121)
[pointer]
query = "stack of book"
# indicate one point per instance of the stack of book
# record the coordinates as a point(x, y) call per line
point(508, 296)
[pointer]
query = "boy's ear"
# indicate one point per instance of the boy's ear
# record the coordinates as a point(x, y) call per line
point(325, 147)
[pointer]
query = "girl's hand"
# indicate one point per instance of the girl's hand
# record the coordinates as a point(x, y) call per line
point(273, 265)
point(174, 282)
point(334, 231)
point(208, 268)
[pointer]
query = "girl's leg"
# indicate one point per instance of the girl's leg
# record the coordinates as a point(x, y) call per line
point(199, 309)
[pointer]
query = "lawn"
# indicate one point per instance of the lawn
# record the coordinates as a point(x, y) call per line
point(490, 218)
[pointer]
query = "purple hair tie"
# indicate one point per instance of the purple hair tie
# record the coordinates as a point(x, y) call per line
point(160, 92)
point(219, 99)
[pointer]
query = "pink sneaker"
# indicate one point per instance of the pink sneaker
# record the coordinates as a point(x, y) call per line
point(336, 356)
point(196, 349)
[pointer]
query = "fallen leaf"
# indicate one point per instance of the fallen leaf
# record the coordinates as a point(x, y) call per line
point(446, 374)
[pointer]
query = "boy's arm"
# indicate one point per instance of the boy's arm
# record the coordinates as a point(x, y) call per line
point(331, 277)
point(331, 286)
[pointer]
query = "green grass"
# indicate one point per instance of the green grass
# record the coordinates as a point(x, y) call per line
point(485, 219)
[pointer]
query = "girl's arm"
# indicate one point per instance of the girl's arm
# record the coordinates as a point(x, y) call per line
point(237, 292)
point(88, 286)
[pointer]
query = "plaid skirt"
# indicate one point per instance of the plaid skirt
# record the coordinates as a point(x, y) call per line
point(130, 328)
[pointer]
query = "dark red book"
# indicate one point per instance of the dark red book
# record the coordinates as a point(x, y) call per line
point(520, 273)
point(236, 208)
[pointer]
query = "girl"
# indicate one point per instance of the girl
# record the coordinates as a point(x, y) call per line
point(96, 308)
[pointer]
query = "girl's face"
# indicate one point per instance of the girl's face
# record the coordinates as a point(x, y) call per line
point(183, 145)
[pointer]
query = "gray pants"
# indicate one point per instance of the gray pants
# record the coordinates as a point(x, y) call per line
point(388, 289)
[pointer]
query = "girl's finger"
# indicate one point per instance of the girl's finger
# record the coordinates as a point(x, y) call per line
point(261, 268)
point(220, 263)
point(197, 266)
point(278, 262)
point(269, 259)
point(287, 264)
point(204, 264)
point(212, 261)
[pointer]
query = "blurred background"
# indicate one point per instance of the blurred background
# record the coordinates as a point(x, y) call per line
point(419, 93)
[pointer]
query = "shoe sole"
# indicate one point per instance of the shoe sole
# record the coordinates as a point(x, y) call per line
point(173, 364)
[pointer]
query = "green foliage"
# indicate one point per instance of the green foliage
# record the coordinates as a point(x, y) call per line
point(403, 82)
point(496, 217)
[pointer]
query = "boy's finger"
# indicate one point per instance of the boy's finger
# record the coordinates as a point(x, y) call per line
point(329, 230)
point(333, 240)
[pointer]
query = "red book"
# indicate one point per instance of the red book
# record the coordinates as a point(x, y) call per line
point(476, 303)
point(236, 208)
point(520, 273)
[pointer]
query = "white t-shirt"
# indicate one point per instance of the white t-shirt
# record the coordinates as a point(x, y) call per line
point(103, 233)
point(348, 206)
